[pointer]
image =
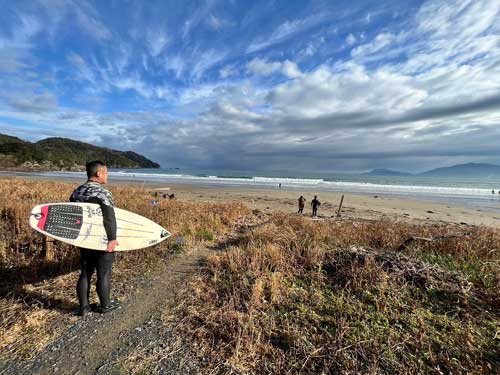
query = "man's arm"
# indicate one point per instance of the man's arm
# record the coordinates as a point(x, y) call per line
point(109, 222)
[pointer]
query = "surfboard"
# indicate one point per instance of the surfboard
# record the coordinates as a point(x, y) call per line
point(81, 224)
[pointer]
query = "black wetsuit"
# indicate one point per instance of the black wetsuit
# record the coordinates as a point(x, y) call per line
point(315, 205)
point(91, 260)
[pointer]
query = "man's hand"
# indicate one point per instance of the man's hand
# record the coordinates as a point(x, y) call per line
point(111, 246)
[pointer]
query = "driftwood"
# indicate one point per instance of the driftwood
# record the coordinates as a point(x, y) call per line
point(408, 241)
point(415, 271)
point(340, 205)
point(48, 249)
point(255, 226)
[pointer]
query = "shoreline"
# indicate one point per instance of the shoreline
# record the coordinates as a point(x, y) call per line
point(454, 195)
point(268, 200)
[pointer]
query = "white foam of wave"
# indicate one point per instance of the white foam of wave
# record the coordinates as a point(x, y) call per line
point(367, 187)
point(320, 184)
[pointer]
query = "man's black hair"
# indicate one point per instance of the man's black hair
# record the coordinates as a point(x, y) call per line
point(93, 166)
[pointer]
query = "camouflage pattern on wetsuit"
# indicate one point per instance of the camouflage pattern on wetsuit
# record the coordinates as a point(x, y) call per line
point(90, 190)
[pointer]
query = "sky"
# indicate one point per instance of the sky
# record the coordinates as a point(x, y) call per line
point(334, 86)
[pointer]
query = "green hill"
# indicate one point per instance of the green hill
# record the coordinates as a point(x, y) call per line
point(63, 153)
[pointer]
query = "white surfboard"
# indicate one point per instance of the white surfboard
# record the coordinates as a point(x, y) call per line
point(81, 224)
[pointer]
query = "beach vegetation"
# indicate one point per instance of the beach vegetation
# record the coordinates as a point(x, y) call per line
point(205, 235)
point(297, 296)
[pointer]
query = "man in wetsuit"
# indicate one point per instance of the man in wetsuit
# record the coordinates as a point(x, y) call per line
point(91, 260)
point(315, 203)
point(302, 202)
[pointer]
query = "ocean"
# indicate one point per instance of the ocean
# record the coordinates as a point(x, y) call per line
point(468, 192)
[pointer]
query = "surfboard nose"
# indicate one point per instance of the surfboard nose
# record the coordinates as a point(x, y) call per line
point(164, 234)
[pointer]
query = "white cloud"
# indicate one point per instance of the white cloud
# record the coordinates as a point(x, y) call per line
point(205, 60)
point(196, 93)
point(176, 64)
point(467, 18)
point(197, 16)
point(157, 40)
point(290, 69)
point(136, 84)
point(84, 71)
point(29, 27)
point(263, 67)
point(88, 19)
point(61, 14)
point(26, 101)
point(26, 27)
point(285, 31)
point(381, 41)
point(162, 92)
point(227, 71)
point(310, 49)
point(351, 39)
point(352, 90)
point(99, 79)
point(218, 23)
point(214, 22)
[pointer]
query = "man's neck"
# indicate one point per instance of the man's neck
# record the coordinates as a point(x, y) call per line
point(91, 180)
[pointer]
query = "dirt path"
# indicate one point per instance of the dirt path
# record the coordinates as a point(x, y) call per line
point(115, 342)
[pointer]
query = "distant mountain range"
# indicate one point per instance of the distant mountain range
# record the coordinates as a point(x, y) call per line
point(385, 172)
point(63, 153)
point(472, 170)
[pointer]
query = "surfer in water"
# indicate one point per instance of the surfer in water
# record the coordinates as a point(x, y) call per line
point(315, 203)
point(95, 260)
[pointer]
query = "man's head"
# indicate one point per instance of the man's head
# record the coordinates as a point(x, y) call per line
point(97, 171)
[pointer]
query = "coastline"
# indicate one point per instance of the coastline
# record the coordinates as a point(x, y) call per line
point(268, 200)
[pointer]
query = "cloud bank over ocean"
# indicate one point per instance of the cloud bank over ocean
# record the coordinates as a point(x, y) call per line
point(310, 85)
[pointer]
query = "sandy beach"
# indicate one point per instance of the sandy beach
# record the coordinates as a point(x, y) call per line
point(354, 205)
point(285, 200)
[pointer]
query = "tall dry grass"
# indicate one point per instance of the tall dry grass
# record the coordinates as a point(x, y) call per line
point(38, 278)
point(297, 296)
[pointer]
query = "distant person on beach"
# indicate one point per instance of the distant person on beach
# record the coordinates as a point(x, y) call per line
point(302, 202)
point(279, 186)
point(92, 191)
point(315, 203)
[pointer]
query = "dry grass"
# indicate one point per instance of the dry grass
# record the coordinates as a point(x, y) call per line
point(37, 296)
point(291, 296)
point(297, 296)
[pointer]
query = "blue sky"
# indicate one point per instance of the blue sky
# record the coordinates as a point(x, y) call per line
point(256, 85)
